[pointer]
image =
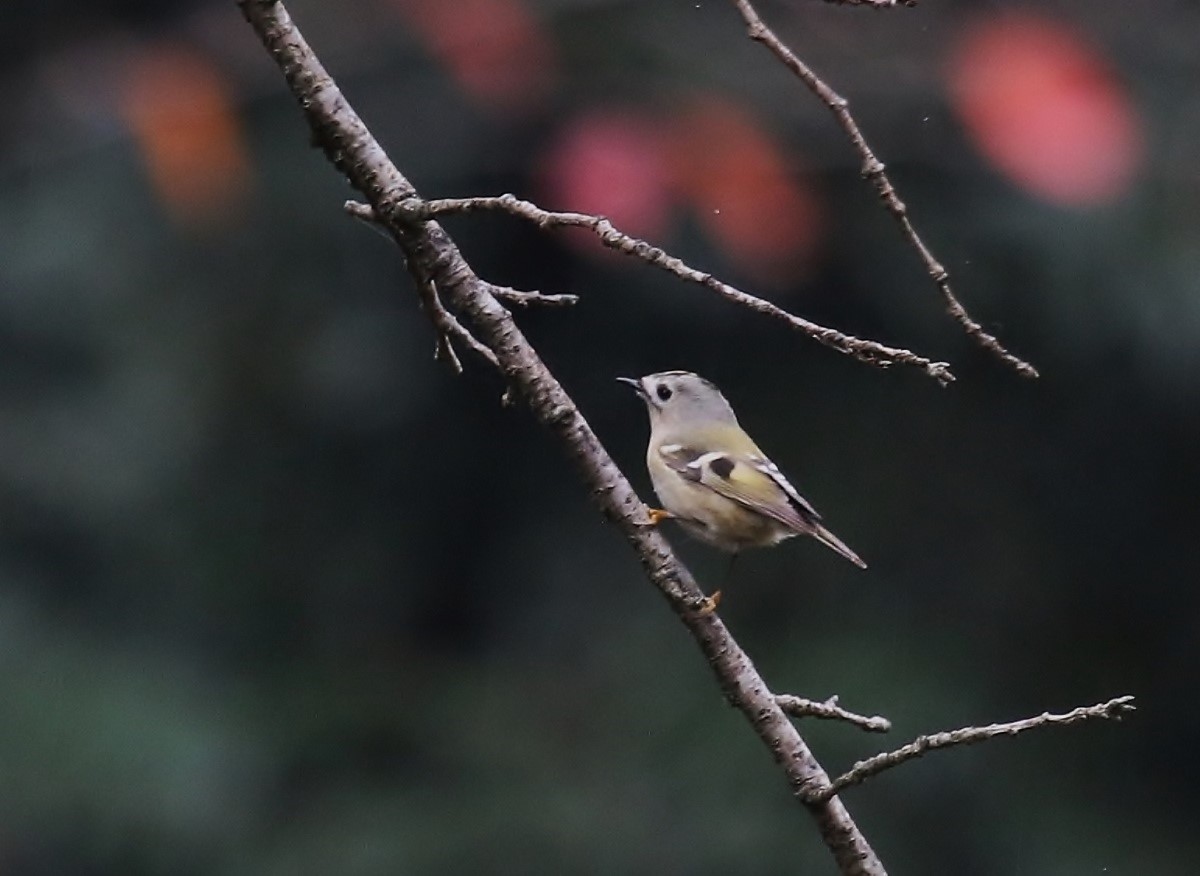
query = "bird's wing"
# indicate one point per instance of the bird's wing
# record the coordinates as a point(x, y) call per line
point(772, 471)
point(754, 481)
point(751, 480)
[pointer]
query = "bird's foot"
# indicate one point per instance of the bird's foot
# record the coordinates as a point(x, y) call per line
point(708, 604)
point(657, 515)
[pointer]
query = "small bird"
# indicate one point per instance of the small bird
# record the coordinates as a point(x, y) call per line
point(711, 476)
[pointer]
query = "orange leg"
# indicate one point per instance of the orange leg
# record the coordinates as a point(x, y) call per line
point(658, 515)
point(709, 604)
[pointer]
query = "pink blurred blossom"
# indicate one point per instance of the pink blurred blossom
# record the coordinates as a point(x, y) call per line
point(1042, 104)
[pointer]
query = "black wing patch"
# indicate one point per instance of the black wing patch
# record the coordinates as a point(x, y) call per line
point(721, 466)
point(692, 463)
point(720, 472)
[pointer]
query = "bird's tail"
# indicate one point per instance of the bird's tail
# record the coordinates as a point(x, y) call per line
point(827, 538)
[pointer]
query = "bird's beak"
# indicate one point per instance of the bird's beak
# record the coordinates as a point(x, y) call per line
point(636, 384)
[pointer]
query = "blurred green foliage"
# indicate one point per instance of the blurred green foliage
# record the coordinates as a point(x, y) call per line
point(280, 594)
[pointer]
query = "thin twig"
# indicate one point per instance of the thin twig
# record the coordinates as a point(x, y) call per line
point(523, 298)
point(448, 327)
point(362, 211)
point(519, 297)
point(873, 170)
point(865, 351)
point(799, 707)
point(443, 348)
point(444, 321)
point(1113, 710)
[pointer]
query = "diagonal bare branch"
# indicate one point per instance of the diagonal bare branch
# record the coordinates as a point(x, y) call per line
point(350, 146)
point(441, 273)
point(1112, 710)
point(873, 170)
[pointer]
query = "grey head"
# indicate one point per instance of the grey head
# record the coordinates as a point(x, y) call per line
point(674, 397)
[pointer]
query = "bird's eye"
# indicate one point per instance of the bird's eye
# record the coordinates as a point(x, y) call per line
point(663, 392)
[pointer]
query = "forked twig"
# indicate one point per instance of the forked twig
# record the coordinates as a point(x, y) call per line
point(450, 329)
point(873, 170)
point(870, 352)
point(518, 297)
point(799, 707)
point(1112, 710)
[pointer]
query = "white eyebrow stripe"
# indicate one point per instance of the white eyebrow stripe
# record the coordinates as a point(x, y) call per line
point(668, 449)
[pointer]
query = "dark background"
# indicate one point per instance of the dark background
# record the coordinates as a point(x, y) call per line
point(281, 594)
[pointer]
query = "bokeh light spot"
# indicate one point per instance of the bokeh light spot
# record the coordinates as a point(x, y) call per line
point(496, 50)
point(181, 114)
point(610, 162)
point(745, 192)
point(1042, 105)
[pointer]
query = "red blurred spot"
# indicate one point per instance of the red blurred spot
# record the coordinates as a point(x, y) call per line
point(180, 112)
point(610, 162)
point(747, 197)
point(1044, 107)
point(495, 49)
